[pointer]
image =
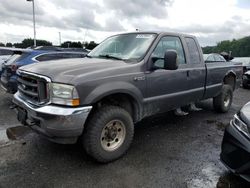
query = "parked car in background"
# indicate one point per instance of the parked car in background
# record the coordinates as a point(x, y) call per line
point(23, 57)
point(245, 62)
point(56, 48)
point(235, 149)
point(213, 57)
point(5, 53)
point(246, 80)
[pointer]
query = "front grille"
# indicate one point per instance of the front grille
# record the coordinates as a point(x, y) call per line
point(32, 87)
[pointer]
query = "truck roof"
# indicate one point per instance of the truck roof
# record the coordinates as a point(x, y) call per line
point(159, 33)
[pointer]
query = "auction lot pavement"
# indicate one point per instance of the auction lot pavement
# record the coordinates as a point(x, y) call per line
point(167, 151)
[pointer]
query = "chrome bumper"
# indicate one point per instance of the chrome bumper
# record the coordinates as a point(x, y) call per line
point(59, 124)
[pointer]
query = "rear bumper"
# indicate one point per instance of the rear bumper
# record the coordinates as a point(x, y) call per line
point(235, 152)
point(58, 124)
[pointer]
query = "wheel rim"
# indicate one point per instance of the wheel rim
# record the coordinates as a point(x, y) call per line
point(113, 135)
point(227, 100)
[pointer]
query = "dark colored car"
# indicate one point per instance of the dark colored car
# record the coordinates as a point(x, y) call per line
point(235, 150)
point(246, 80)
point(23, 57)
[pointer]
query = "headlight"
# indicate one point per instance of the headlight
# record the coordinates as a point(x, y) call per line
point(64, 94)
point(240, 125)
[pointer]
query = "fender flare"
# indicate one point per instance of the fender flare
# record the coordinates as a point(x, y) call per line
point(118, 87)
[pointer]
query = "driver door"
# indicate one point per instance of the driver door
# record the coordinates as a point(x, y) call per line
point(166, 89)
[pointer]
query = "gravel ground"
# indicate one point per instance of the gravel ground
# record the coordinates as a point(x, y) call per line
point(167, 151)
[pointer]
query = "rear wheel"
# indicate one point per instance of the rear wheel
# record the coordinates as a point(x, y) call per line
point(223, 101)
point(108, 134)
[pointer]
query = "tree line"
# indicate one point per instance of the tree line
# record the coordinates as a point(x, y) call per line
point(238, 48)
point(67, 44)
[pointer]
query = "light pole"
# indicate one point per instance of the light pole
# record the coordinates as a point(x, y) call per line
point(34, 20)
point(60, 39)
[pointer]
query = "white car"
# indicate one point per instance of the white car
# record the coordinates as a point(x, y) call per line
point(4, 55)
point(213, 58)
point(245, 62)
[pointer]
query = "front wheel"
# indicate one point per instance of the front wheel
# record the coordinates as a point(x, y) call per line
point(223, 101)
point(108, 134)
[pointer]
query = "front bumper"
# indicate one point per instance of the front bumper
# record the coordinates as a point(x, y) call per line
point(235, 152)
point(58, 124)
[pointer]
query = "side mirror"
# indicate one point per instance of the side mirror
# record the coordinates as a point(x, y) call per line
point(170, 60)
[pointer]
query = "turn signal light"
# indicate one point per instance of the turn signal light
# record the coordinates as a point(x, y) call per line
point(75, 102)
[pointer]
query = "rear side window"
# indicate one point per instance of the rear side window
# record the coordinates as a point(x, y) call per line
point(55, 56)
point(47, 57)
point(71, 55)
point(193, 50)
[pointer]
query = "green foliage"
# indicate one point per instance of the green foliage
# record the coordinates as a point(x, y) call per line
point(30, 42)
point(9, 44)
point(91, 45)
point(2, 44)
point(239, 48)
point(69, 44)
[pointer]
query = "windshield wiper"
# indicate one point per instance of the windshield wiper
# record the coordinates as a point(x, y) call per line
point(110, 56)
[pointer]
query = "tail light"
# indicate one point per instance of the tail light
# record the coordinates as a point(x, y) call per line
point(13, 68)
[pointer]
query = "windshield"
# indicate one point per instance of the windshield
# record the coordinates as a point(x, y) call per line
point(124, 47)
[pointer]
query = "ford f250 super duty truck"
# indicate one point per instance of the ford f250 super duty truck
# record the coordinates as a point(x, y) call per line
point(126, 78)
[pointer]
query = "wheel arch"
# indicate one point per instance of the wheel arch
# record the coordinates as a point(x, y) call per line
point(230, 79)
point(119, 94)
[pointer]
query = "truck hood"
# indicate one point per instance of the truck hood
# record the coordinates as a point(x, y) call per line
point(65, 70)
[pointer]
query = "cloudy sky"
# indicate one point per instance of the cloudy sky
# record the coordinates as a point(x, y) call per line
point(85, 20)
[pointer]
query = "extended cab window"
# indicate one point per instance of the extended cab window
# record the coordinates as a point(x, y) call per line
point(168, 43)
point(193, 50)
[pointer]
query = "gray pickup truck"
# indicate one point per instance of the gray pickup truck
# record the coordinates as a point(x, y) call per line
point(126, 78)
